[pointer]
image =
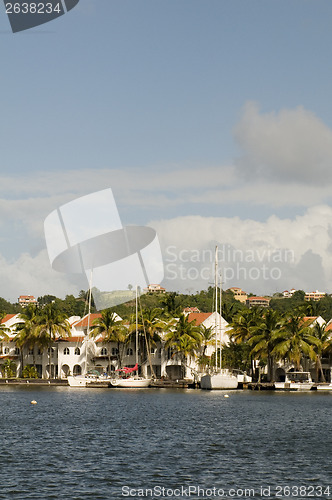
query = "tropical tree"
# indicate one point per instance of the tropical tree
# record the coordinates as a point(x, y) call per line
point(52, 324)
point(26, 336)
point(262, 340)
point(9, 368)
point(153, 326)
point(294, 341)
point(244, 325)
point(30, 371)
point(3, 329)
point(185, 339)
point(113, 330)
point(322, 345)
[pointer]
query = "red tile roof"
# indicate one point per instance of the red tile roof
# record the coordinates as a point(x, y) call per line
point(84, 321)
point(7, 318)
point(198, 317)
point(79, 338)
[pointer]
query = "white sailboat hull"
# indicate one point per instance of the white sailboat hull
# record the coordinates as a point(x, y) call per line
point(79, 381)
point(131, 382)
point(222, 380)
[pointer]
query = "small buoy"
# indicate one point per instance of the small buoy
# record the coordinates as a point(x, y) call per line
point(33, 402)
point(226, 396)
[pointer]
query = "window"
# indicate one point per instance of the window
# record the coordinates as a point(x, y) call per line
point(77, 351)
point(50, 351)
point(103, 352)
point(17, 351)
point(40, 352)
point(115, 351)
point(153, 350)
point(30, 352)
point(6, 350)
point(130, 352)
point(66, 351)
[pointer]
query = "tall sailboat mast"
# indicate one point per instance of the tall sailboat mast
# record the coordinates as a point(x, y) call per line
point(136, 339)
point(216, 305)
point(88, 329)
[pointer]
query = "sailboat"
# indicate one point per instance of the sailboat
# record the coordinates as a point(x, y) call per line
point(128, 380)
point(86, 378)
point(220, 378)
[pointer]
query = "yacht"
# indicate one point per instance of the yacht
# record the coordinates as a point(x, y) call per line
point(295, 381)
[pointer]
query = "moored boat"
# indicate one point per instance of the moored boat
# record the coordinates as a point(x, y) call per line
point(131, 382)
point(224, 379)
point(295, 381)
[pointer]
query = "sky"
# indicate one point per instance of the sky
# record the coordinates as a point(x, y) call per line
point(210, 120)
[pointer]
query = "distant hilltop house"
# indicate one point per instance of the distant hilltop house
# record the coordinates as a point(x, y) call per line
point(155, 289)
point(258, 302)
point(25, 300)
point(314, 295)
point(189, 310)
point(239, 294)
point(287, 294)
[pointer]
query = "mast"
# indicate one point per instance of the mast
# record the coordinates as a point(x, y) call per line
point(136, 340)
point(88, 330)
point(216, 304)
point(220, 311)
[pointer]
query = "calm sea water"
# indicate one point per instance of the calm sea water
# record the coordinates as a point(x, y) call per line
point(109, 444)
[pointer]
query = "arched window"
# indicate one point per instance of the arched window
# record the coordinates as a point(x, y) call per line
point(130, 352)
point(77, 351)
point(115, 351)
point(77, 370)
point(30, 352)
point(17, 351)
point(6, 350)
point(103, 352)
point(66, 351)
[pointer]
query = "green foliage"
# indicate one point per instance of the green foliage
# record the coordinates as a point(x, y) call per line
point(30, 371)
point(235, 356)
point(8, 369)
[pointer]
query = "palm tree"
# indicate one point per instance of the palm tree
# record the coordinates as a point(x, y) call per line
point(26, 332)
point(153, 326)
point(244, 325)
point(112, 329)
point(294, 341)
point(262, 340)
point(323, 345)
point(3, 330)
point(52, 324)
point(185, 339)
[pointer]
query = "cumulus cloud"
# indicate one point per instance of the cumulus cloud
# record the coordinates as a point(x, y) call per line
point(291, 145)
point(34, 276)
point(262, 257)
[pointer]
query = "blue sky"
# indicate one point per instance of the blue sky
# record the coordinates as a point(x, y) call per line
point(191, 110)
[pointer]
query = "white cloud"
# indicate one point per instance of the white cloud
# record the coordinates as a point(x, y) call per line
point(34, 275)
point(291, 145)
point(296, 252)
